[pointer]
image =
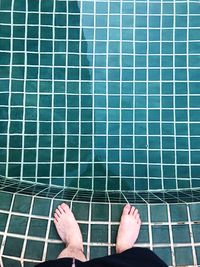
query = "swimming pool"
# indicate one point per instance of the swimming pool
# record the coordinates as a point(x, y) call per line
point(99, 105)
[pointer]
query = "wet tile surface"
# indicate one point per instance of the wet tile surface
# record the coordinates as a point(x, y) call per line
point(108, 102)
point(34, 237)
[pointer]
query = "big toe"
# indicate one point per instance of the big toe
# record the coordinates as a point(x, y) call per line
point(126, 209)
point(65, 207)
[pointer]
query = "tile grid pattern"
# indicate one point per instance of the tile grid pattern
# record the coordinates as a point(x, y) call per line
point(154, 42)
point(167, 233)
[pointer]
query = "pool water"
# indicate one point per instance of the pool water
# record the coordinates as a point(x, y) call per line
point(99, 106)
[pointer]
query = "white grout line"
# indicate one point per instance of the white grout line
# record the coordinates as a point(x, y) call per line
point(120, 99)
point(147, 95)
point(93, 96)
point(10, 90)
point(192, 237)
point(24, 91)
point(6, 228)
point(107, 99)
point(52, 93)
point(38, 96)
point(27, 230)
point(134, 94)
point(170, 235)
point(150, 227)
point(188, 93)
point(66, 102)
point(47, 231)
point(89, 229)
point(109, 227)
point(80, 94)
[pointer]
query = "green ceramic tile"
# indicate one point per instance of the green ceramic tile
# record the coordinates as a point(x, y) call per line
point(195, 231)
point(183, 256)
point(5, 200)
point(53, 232)
point(37, 227)
point(99, 233)
point(164, 254)
point(22, 204)
point(53, 250)
point(34, 250)
point(3, 221)
point(143, 235)
point(181, 234)
point(116, 211)
point(1, 238)
point(84, 231)
point(159, 213)
point(81, 211)
point(160, 234)
point(178, 213)
point(195, 212)
point(29, 264)
point(96, 252)
point(11, 262)
point(114, 231)
point(100, 212)
point(18, 224)
point(143, 212)
point(41, 206)
point(197, 250)
point(13, 246)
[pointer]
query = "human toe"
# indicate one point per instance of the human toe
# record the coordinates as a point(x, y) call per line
point(60, 209)
point(126, 209)
point(56, 217)
point(58, 212)
point(65, 207)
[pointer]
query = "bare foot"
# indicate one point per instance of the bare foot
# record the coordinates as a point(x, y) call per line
point(128, 229)
point(67, 227)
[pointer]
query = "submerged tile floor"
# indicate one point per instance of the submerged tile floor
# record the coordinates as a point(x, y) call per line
point(170, 227)
point(101, 98)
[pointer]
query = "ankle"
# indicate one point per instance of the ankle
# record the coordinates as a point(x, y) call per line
point(75, 247)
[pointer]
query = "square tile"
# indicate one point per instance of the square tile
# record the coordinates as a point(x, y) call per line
point(18, 224)
point(38, 227)
point(196, 231)
point(197, 250)
point(178, 212)
point(41, 207)
point(159, 213)
point(181, 234)
point(22, 204)
point(165, 254)
point(114, 231)
point(11, 262)
point(143, 235)
point(81, 210)
point(100, 212)
point(183, 256)
point(116, 212)
point(34, 250)
point(99, 233)
point(3, 221)
point(5, 200)
point(84, 231)
point(195, 212)
point(13, 246)
point(53, 232)
point(160, 234)
point(96, 252)
point(53, 250)
point(29, 264)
